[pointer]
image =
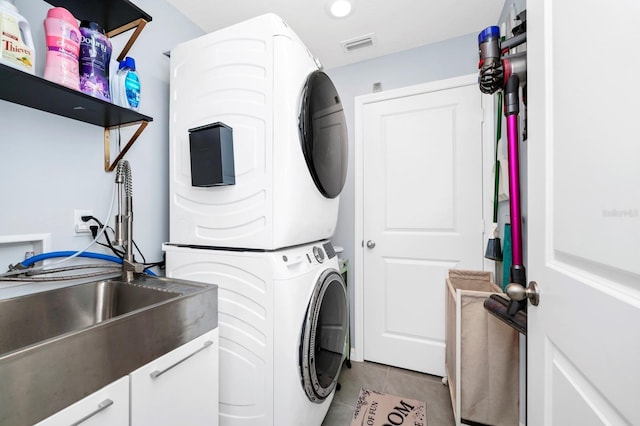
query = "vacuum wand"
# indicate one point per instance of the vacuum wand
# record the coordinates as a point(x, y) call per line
point(512, 109)
point(500, 71)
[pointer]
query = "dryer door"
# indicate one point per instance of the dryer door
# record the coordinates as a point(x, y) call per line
point(323, 134)
point(324, 336)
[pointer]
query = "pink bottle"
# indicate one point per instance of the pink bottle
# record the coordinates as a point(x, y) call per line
point(63, 46)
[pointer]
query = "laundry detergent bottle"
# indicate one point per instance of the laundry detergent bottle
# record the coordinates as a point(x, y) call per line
point(16, 45)
point(63, 45)
point(95, 56)
point(126, 85)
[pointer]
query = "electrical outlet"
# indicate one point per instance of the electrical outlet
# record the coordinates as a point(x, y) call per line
point(79, 226)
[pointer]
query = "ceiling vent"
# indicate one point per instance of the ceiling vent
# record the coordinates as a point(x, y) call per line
point(357, 43)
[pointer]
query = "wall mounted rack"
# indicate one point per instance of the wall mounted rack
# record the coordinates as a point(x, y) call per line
point(116, 16)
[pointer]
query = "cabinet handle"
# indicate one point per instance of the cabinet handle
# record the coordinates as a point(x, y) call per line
point(157, 373)
point(103, 405)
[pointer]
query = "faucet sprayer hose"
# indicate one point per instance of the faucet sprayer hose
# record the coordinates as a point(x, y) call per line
point(43, 256)
point(123, 175)
point(28, 263)
point(123, 180)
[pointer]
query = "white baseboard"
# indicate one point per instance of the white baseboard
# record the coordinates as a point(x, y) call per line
point(355, 355)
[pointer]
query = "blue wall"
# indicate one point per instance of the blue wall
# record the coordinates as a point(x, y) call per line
point(51, 165)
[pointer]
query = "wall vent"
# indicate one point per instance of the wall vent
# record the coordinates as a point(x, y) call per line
point(357, 43)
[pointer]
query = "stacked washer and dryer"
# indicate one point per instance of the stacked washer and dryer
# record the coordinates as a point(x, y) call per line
point(260, 228)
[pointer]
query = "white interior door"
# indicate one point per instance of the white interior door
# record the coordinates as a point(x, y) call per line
point(584, 213)
point(422, 215)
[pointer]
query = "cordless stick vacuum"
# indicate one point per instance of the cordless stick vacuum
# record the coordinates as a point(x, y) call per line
point(501, 71)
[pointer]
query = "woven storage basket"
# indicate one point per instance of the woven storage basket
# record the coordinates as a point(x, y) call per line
point(482, 353)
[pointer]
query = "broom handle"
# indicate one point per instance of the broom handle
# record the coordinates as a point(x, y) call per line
point(496, 183)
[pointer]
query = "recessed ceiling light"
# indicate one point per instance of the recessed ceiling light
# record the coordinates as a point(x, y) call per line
point(340, 8)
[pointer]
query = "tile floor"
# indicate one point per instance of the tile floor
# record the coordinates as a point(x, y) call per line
point(389, 380)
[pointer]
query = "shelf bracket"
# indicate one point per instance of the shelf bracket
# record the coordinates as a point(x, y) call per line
point(108, 165)
point(138, 24)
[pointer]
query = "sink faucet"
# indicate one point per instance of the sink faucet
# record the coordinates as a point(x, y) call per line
point(124, 221)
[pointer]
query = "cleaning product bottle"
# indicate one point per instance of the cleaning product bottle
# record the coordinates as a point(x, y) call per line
point(63, 45)
point(16, 45)
point(128, 85)
point(95, 55)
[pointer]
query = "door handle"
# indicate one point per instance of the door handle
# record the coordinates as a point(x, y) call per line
point(371, 244)
point(156, 373)
point(517, 292)
point(103, 405)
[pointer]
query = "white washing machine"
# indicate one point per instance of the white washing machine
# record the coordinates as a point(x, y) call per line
point(288, 134)
point(283, 321)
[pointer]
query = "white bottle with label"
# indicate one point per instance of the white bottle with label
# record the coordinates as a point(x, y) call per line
point(16, 45)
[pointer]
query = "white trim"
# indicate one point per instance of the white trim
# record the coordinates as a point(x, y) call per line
point(357, 340)
point(489, 121)
point(357, 352)
point(43, 239)
point(41, 243)
point(456, 380)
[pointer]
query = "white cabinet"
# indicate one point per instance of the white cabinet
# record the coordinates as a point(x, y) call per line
point(107, 407)
point(180, 387)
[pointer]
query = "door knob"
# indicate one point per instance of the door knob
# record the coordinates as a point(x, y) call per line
point(371, 244)
point(517, 292)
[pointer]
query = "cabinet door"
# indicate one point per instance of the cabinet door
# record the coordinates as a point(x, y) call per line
point(180, 387)
point(107, 407)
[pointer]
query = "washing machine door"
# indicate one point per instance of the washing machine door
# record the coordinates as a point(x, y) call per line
point(324, 336)
point(323, 134)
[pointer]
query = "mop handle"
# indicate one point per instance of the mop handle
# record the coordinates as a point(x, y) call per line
point(512, 109)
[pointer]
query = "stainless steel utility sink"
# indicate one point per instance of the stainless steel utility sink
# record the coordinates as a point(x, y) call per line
point(41, 316)
point(61, 345)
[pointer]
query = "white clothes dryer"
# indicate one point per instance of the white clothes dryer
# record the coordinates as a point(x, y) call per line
point(288, 134)
point(283, 321)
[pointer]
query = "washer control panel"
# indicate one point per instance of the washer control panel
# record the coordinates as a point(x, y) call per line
point(328, 248)
point(318, 253)
point(312, 254)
